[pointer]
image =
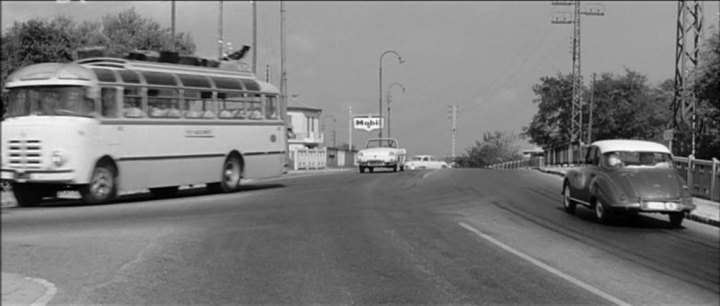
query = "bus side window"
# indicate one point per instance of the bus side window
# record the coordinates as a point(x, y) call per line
point(209, 106)
point(132, 102)
point(271, 110)
point(192, 104)
point(163, 103)
point(108, 102)
point(231, 105)
point(255, 107)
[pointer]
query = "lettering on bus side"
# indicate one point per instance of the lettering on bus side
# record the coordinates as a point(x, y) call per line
point(199, 133)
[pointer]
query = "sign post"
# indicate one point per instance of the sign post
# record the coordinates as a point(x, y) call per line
point(668, 135)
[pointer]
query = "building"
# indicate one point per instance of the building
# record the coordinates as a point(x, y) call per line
point(305, 140)
point(304, 130)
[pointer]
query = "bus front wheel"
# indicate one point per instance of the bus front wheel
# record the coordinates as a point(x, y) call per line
point(102, 187)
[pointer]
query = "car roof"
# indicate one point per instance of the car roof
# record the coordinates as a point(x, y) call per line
point(630, 145)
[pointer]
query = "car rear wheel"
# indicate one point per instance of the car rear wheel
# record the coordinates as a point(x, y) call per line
point(362, 169)
point(676, 219)
point(568, 203)
point(602, 214)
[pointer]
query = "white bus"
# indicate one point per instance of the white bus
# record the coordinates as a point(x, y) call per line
point(104, 126)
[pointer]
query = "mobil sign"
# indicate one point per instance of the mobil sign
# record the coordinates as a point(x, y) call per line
point(367, 123)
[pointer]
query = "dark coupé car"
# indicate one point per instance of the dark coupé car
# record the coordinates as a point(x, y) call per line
point(630, 177)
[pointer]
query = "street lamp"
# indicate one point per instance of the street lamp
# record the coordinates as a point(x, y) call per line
point(400, 59)
point(388, 103)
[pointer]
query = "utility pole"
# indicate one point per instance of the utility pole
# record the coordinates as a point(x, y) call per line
point(350, 126)
point(574, 19)
point(220, 34)
point(453, 116)
point(592, 98)
point(689, 29)
point(173, 25)
point(254, 38)
point(283, 75)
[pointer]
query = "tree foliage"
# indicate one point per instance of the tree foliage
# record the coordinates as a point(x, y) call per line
point(707, 91)
point(550, 126)
point(626, 107)
point(623, 106)
point(495, 147)
point(39, 40)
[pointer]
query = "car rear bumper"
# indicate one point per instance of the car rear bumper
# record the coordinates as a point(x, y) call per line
point(661, 206)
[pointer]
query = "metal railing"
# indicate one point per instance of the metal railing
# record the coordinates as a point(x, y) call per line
point(304, 159)
point(702, 176)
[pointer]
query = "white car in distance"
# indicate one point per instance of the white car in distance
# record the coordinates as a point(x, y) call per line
point(381, 153)
point(425, 162)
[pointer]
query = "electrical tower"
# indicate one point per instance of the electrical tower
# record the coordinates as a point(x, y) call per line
point(687, 52)
point(573, 17)
point(453, 116)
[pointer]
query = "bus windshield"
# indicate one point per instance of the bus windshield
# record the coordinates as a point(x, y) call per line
point(49, 101)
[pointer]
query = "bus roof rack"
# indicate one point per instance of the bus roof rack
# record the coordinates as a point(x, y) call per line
point(231, 63)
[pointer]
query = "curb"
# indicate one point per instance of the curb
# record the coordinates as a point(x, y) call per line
point(690, 216)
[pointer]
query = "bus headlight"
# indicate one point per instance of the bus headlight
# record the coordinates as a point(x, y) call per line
point(58, 158)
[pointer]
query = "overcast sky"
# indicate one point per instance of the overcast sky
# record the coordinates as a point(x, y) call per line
point(483, 56)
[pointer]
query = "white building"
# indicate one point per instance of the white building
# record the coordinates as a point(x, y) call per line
point(304, 125)
point(305, 140)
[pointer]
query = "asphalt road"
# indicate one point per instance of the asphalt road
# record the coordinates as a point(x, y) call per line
point(455, 236)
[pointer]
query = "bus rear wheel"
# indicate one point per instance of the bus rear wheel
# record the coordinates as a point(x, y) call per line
point(102, 187)
point(230, 177)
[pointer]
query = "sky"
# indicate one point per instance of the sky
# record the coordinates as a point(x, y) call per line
point(482, 56)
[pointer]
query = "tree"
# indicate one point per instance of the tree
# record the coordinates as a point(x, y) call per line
point(128, 31)
point(707, 91)
point(550, 126)
point(495, 148)
point(39, 40)
point(625, 107)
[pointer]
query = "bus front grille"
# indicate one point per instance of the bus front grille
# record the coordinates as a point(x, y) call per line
point(24, 154)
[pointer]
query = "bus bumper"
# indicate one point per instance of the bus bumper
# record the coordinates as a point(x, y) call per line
point(37, 176)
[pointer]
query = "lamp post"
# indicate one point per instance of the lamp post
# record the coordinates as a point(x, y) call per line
point(400, 59)
point(388, 103)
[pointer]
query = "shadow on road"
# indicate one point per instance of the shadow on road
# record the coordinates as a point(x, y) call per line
point(648, 221)
point(147, 196)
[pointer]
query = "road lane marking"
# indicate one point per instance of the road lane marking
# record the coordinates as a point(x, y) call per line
point(546, 267)
point(50, 292)
point(428, 173)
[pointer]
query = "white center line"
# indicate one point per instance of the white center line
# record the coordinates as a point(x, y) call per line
point(546, 267)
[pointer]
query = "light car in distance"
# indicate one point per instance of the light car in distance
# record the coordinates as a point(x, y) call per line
point(381, 153)
point(425, 162)
point(628, 177)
